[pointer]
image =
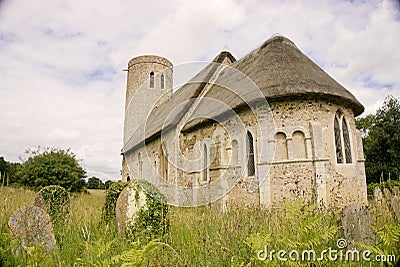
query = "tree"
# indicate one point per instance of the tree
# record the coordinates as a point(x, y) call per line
point(95, 183)
point(53, 166)
point(381, 138)
point(9, 172)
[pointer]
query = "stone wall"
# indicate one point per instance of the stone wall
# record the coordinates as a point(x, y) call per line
point(299, 161)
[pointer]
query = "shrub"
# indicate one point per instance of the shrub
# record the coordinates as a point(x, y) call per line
point(55, 201)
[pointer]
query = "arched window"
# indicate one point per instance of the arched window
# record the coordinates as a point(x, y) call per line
point(346, 141)
point(235, 152)
point(162, 81)
point(140, 165)
point(163, 169)
point(281, 152)
point(128, 178)
point(338, 141)
point(250, 155)
point(151, 79)
point(342, 139)
point(205, 162)
point(299, 145)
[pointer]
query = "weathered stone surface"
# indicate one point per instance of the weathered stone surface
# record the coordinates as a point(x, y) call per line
point(129, 202)
point(55, 201)
point(31, 226)
point(378, 197)
point(395, 207)
point(356, 222)
point(396, 191)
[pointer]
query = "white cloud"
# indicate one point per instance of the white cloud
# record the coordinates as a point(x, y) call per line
point(61, 61)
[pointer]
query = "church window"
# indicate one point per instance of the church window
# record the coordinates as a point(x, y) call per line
point(250, 155)
point(162, 81)
point(281, 151)
point(205, 162)
point(235, 152)
point(151, 79)
point(346, 140)
point(342, 139)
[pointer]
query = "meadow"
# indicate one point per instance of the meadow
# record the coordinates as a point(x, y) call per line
point(197, 236)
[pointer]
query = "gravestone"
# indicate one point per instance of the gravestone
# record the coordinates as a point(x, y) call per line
point(356, 221)
point(130, 201)
point(31, 227)
point(55, 201)
point(142, 209)
point(378, 197)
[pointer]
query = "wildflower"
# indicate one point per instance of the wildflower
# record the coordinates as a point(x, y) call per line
point(239, 225)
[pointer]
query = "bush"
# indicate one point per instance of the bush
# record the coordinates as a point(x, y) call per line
point(55, 201)
point(53, 166)
point(152, 219)
point(112, 195)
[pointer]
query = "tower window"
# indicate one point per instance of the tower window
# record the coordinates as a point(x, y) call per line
point(250, 155)
point(151, 79)
point(162, 81)
point(342, 139)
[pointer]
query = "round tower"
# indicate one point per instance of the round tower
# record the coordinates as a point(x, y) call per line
point(149, 82)
point(151, 74)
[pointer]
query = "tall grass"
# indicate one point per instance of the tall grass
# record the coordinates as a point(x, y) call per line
point(197, 237)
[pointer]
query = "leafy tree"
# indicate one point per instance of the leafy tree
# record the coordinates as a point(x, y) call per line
point(381, 137)
point(107, 184)
point(95, 183)
point(9, 171)
point(53, 166)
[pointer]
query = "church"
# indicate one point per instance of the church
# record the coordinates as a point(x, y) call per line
point(267, 128)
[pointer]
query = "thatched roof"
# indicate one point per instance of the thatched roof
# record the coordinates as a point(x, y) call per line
point(278, 68)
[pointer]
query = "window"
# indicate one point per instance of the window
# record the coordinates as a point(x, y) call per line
point(205, 162)
point(299, 145)
point(342, 139)
point(281, 152)
point(162, 81)
point(151, 79)
point(163, 158)
point(346, 141)
point(250, 155)
point(235, 152)
point(140, 165)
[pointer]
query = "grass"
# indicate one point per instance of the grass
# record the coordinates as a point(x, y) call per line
point(197, 237)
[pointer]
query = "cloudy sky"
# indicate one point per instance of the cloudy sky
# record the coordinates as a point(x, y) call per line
point(61, 61)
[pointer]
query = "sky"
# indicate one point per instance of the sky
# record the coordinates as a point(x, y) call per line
point(62, 82)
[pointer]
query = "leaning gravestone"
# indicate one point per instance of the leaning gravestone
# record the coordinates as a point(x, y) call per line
point(141, 209)
point(31, 227)
point(356, 222)
point(55, 201)
point(129, 202)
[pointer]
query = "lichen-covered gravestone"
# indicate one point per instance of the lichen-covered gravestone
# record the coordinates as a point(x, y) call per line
point(31, 227)
point(141, 209)
point(55, 201)
point(356, 222)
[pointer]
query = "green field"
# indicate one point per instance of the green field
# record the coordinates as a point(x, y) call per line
point(197, 237)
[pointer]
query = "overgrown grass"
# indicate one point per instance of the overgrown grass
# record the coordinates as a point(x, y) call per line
point(197, 237)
